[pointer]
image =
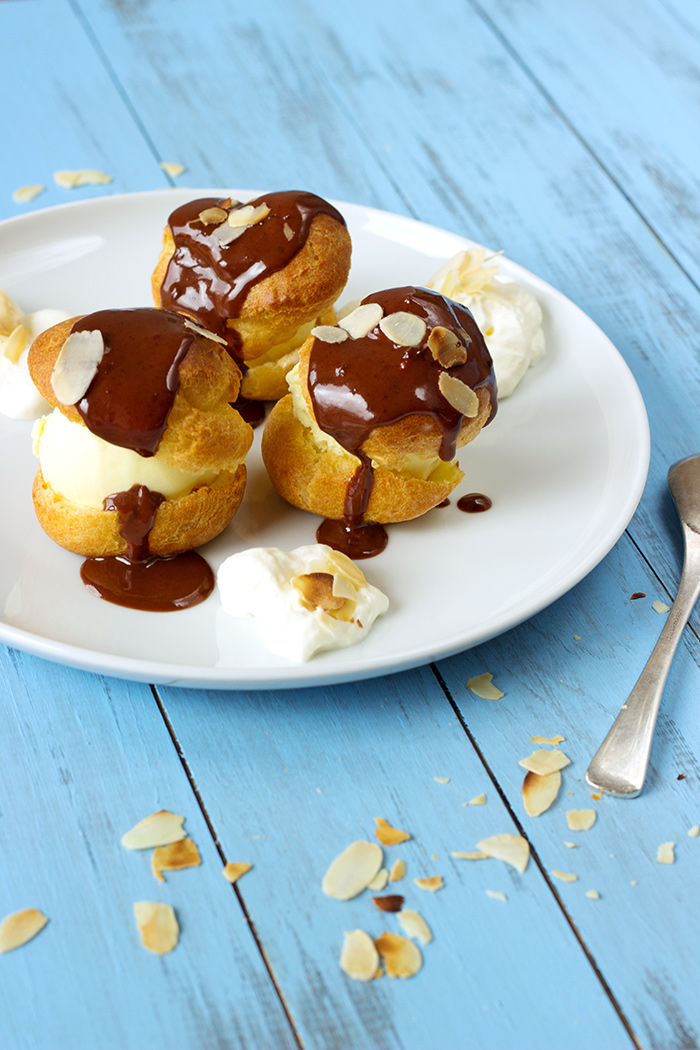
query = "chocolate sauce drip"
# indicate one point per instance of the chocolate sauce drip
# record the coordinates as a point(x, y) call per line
point(253, 412)
point(474, 503)
point(130, 397)
point(360, 384)
point(137, 512)
point(363, 539)
point(209, 281)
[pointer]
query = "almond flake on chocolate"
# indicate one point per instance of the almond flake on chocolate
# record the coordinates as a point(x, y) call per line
point(554, 740)
point(387, 835)
point(25, 194)
point(457, 394)
point(401, 957)
point(329, 333)
point(20, 927)
point(362, 320)
point(157, 925)
point(248, 215)
point(414, 926)
point(593, 895)
point(76, 365)
point(234, 869)
point(544, 762)
point(172, 168)
point(82, 177)
point(665, 853)
point(539, 792)
point(359, 958)
point(204, 332)
point(565, 876)
point(352, 870)
point(176, 856)
point(403, 328)
point(473, 854)
point(160, 829)
point(15, 344)
point(496, 895)
point(512, 849)
point(580, 819)
point(446, 347)
point(225, 234)
point(482, 686)
point(210, 216)
point(379, 881)
point(288, 231)
point(431, 884)
point(392, 902)
point(316, 590)
point(398, 870)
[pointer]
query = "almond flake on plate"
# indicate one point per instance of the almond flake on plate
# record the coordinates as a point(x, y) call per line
point(511, 849)
point(160, 829)
point(25, 194)
point(398, 870)
point(414, 926)
point(547, 739)
point(171, 167)
point(401, 957)
point(20, 927)
point(234, 869)
point(69, 179)
point(329, 333)
point(565, 876)
point(665, 854)
point(176, 856)
point(482, 686)
point(496, 895)
point(403, 328)
point(593, 895)
point(580, 819)
point(352, 870)
point(432, 883)
point(76, 365)
point(359, 958)
point(544, 762)
point(362, 320)
point(473, 854)
point(387, 835)
point(539, 792)
point(157, 925)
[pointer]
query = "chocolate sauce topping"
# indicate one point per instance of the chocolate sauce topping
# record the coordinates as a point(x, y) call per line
point(129, 400)
point(209, 280)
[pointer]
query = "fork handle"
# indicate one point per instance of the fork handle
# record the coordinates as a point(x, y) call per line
point(619, 765)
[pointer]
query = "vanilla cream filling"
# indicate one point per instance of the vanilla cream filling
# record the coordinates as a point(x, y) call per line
point(84, 468)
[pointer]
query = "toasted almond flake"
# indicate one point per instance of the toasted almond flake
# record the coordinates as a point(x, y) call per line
point(157, 925)
point(580, 819)
point(544, 762)
point(441, 780)
point(482, 685)
point(387, 835)
point(247, 215)
point(211, 216)
point(204, 332)
point(226, 234)
point(473, 854)
point(660, 607)
point(69, 179)
point(512, 849)
point(20, 927)
point(497, 895)
point(288, 231)
point(160, 829)
point(362, 320)
point(414, 926)
point(694, 831)
point(379, 881)
point(457, 394)
point(76, 365)
point(15, 344)
point(359, 958)
point(171, 167)
point(316, 591)
point(352, 870)
point(554, 740)
point(539, 792)
point(25, 194)
point(596, 795)
point(403, 328)
point(176, 856)
point(478, 800)
point(571, 845)
point(593, 895)
point(234, 869)
point(398, 870)
point(431, 884)
point(446, 346)
point(392, 902)
point(565, 876)
point(401, 957)
point(665, 854)
point(329, 333)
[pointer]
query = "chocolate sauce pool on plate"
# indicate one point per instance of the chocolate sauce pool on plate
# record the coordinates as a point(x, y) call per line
point(474, 503)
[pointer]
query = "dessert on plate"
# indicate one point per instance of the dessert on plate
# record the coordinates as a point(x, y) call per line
point(259, 275)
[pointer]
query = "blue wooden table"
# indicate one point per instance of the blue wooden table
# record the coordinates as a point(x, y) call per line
point(568, 135)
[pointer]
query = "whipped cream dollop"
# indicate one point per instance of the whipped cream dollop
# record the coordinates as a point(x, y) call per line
point(305, 600)
point(19, 398)
point(509, 317)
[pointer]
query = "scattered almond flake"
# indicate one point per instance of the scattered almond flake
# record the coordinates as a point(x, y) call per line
point(571, 845)
point(596, 795)
point(577, 637)
point(362, 320)
point(288, 231)
point(157, 925)
point(234, 870)
point(478, 800)
point(544, 762)
point(359, 958)
point(414, 926)
point(401, 957)
point(446, 346)
point(593, 895)
point(226, 234)
point(174, 857)
point(76, 365)
point(481, 684)
point(539, 792)
point(512, 849)
point(248, 215)
point(352, 870)
point(580, 819)
point(210, 216)
point(547, 740)
point(441, 780)
point(660, 607)
point(694, 831)
point(473, 854)
point(432, 883)
point(637, 594)
point(403, 328)
point(20, 927)
point(25, 194)
point(204, 332)
point(329, 333)
point(387, 835)
point(171, 167)
point(392, 902)
point(565, 876)
point(398, 870)
point(160, 829)
point(457, 394)
point(665, 854)
point(497, 895)
point(634, 882)
point(434, 856)
point(15, 344)
point(379, 881)
point(82, 177)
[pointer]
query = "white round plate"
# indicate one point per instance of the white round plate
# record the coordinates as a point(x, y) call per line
point(564, 462)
